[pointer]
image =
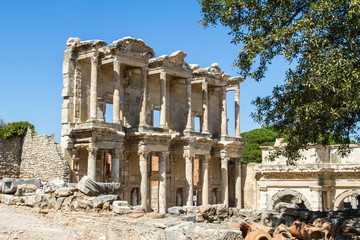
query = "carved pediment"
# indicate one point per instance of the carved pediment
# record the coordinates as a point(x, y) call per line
point(176, 59)
point(85, 45)
point(132, 46)
point(214, 71)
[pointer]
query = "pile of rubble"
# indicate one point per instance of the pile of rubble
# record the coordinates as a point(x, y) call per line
point(86, 195)
point(229, 223)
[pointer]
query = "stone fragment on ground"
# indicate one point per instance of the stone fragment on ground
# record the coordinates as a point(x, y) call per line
point(88, 186)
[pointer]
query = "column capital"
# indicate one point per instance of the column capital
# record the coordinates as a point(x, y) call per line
point(162, 74)
point(95, 58)
point(117, 62)
point(188, 156)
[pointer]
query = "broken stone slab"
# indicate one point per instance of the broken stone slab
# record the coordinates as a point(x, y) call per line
point(176, 210)
point(110, 188)
point(138, 208)
point(121, 203)
point(89, 187)
point(67, 202)
point(10, 185)
point(216, 234)
point(30, 201)
point(190, 209)
point(85, 204)
point(121, 209)
point(65, 192)
point(177, 231)
point(54, 184)
point(26, 190)
point(108, 198)
point(59, 202)
point(44, 200)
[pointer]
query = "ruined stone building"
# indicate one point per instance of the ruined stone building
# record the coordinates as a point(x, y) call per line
point(321, 180)
point(159, 165)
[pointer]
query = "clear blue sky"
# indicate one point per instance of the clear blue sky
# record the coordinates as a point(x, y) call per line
point(33, 37)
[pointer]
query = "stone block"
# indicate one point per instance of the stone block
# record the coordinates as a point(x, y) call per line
point(89, 187)
point(10, 185)
point(121, 204)
point(121, 209)
point(59, 202)
point(30, 201)
point(108, 198)
point(216, 234)
point(176, 210)
point(65, 192)
point(110, 188)
point(26, 190)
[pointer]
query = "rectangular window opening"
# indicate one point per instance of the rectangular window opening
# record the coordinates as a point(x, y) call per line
point(109, 113)
point(197, 122)
point(156, 118)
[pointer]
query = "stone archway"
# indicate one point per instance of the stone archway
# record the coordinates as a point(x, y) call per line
point(289, 199)
point(352, 195)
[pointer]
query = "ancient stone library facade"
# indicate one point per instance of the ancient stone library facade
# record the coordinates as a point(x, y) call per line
point(159, 165)
point(159, 127)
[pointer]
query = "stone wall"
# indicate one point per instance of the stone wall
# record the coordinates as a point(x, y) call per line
point(10, 157)
point(41, 158)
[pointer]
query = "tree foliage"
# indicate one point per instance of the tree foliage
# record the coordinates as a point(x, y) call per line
point(256, 138)
point(320, 97)
point(13, 129)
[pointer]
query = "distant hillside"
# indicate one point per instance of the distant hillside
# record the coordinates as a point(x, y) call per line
point(256, 138)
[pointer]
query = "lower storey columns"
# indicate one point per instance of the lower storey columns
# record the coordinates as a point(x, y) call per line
point(238, 195)
point(115, 165)
point(224, 179)
point(162, 182)
point(91, 170)
point(143, 179)
point(189, 178)
point(205, 180)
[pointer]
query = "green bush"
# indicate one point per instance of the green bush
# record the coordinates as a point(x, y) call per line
point(15, 129)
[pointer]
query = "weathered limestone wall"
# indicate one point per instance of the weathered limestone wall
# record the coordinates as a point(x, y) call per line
point(249, 185)
point(10, 157)
point(41, 158)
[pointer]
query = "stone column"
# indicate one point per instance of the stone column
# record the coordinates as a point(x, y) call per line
point(163, 100)
point(223, 112)
point(205, 179)
point(116, 95)
point(205, 126)
point(144, 96)
point(91, 170)
point(143, 178)
point(93, 85)
point(172, 181)
point(189, 178)
point(238, 195)
point(115, 166)
point(237, 112)
point(224, 179)
point(188, 99)
point(162, 182)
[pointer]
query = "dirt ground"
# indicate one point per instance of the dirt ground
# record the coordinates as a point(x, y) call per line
point(19, 222)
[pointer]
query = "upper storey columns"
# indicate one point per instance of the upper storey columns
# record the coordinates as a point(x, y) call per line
point(237, 111)
point(188, 127)
point(144, 95)
point(223, 112)
point(93, 85)
point(118, 95)
point(205, 102)
point(163, 100)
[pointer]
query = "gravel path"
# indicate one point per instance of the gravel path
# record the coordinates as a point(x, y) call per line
point(27, 223)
